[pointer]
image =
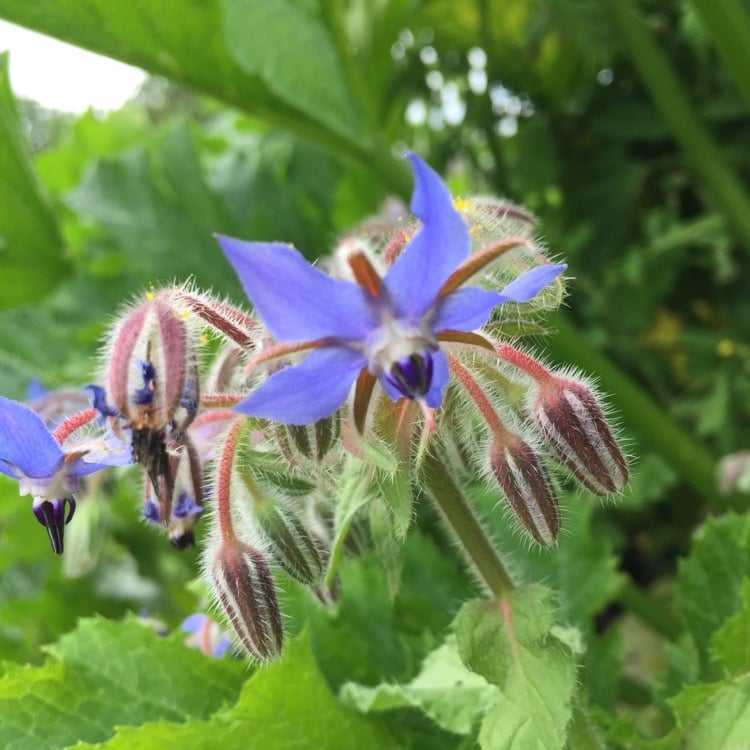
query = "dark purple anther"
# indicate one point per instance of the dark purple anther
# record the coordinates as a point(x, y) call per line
point(144, 396)
point(412, 375)
point(52, 515)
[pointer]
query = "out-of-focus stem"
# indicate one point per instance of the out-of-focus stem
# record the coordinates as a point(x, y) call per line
point(669, 97)
point(729, 24)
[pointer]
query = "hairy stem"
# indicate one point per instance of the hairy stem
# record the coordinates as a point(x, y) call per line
point(465, 525)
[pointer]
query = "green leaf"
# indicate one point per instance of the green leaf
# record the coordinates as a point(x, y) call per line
point(715, 716)
point(271, 59)
point(31, 248)
point(710, 579)
point(511, 643)
point(730, 644)
point(285, 705)
point(108, 674)
point(449, 693)
point(286, 45)
point(388, 544)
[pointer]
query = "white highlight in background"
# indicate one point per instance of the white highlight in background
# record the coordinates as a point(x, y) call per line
point(61, 76)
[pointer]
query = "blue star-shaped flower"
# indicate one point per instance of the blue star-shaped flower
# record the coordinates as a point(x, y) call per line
point(30, 453)
point(386, 327)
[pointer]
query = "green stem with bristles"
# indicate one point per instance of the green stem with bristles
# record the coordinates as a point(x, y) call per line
point(463, 522)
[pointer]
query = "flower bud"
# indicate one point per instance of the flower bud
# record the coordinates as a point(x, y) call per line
point(573, 424)
point(152, 372)
point(521, 475)
point(304, 443)
point(242, 582)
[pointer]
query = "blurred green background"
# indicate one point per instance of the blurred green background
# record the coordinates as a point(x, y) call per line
point(622, 125)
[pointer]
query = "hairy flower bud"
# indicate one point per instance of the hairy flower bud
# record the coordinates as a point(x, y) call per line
point(571, 419)
point(152, 374)
point(242, 582)
point(521, 475)
point(152, 379)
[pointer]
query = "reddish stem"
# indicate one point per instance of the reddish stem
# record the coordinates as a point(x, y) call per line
point(214, 400)
point(478, 396)
point(524, 362)
point(224, 483)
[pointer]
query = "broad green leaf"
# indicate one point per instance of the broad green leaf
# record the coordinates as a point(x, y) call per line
point(285, 44)
point(730, 645)
point(445, 689)
point(32, 262)
point(710, 579)
point(287, 704)
point(511, 643)
point(107, 674)
point(293, 81)
point(715, 716)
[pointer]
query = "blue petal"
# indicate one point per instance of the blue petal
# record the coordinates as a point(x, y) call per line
point(440, 377)
point(438, 248)
point(309, 391)
point(296, 301)
point(27, 448)
point(194, 623)
point(528, 285)
point(465, 309)
point(393, 393)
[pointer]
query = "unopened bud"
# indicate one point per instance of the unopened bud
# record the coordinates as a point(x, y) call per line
point(303, 443)
point(573, 424)
point(523, 479)
point(152, 374)
point(242, 583)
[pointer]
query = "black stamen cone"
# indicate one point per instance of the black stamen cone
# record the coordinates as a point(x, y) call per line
point(412, 375)
point(53, 517)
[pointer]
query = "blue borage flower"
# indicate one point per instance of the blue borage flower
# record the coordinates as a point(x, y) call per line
point(45, 469)
point(378, 328)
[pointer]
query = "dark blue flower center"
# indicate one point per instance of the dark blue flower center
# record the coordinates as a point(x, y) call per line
point(412, 375)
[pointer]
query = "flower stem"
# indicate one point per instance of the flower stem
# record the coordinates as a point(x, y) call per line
point(465, 525)
point(224, 482)
point(669, 97)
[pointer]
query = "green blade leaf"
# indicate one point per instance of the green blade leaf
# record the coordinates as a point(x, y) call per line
point(275, 59)
point(31, 248)
point(287, 46)
point(511, 642)
point(108, 674)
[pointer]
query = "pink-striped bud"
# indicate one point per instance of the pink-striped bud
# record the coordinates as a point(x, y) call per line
point(573, 424)
point(243, 585)
point(523, 479)
point(152, 369)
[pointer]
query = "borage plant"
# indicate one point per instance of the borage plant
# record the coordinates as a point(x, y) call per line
point(392, 372)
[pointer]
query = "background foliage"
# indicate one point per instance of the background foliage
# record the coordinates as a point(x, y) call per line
point(623, 126)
